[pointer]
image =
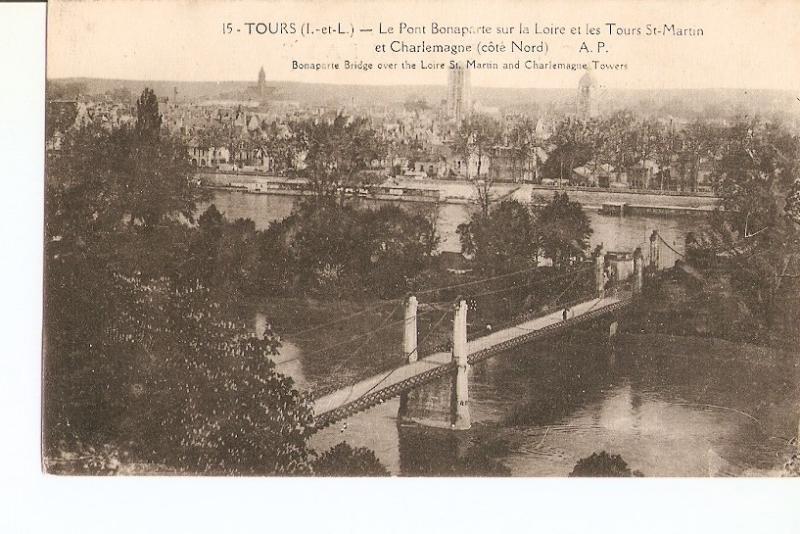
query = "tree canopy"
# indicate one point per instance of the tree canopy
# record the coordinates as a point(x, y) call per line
point(564, 229)
point(756, 232)
point(603, 464)
point(148, 356)
point(504, 240)
point(337, 152)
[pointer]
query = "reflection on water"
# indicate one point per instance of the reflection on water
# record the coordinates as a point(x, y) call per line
point(680, 408)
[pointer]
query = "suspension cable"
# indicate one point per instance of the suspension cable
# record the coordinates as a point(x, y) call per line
point(391, 371)
point(531, 283)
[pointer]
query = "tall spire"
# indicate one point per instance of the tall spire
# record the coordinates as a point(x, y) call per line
point(261, 88)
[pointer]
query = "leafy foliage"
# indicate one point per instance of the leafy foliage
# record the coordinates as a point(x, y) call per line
point(572, 140)
point(755, 234)
point(564, 229)
point(476, 137)
point(107, 180)
point(344, 460)
point(332, 249)
point(144, 361)
point(148, 119)
point(502, 241)
point(792, 467)
point(223, 254)
point(336, 153)
point(603, 464)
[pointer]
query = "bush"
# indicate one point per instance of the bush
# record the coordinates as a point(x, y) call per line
point(603, 464)
point(346, 461)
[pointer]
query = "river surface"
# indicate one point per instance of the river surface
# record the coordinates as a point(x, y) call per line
point(670, 406)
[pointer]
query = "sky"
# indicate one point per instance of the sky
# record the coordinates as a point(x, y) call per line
point(745, 43)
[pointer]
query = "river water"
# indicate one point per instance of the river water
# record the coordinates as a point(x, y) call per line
point(613, 232)
point(670, 406)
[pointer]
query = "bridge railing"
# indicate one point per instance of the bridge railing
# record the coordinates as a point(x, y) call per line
point(529, 298)
point(500, 301)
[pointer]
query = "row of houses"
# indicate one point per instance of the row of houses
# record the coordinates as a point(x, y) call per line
point(421, 140)
point(684, 171)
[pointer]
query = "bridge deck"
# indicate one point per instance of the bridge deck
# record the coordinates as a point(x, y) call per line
point(375, 389)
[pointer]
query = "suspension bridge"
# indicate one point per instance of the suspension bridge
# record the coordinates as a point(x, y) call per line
point(426, 398)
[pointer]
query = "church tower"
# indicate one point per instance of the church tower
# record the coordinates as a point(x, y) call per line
point(587, 95)
point(459, 101)
point(262, 82)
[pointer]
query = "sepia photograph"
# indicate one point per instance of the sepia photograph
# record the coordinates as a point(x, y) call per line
point(421, 240)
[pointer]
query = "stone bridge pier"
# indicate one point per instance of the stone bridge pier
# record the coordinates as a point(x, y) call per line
point(442, 403)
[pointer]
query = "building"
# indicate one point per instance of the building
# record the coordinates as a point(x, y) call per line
point(587, 95)
point(459, 98)
point(262, 88)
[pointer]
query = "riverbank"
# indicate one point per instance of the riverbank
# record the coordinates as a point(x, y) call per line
point(463, 192)
point(703, 304)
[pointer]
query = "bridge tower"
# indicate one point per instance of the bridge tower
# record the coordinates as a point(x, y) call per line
point(410, 330)
point(638, 269)
point(441, 403)
point(599, 272)
point(655, 251)
point(461, 416)
point(409, 345)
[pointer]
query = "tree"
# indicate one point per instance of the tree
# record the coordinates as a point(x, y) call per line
point(522, 139)
point(226, 133)
point(221, 405)
point(60, 117)
point(477, 136)
point(148, 118)
point(700, 140)
point(573, 147)
point(171, 377)
point(792, 207)
point(644, 139)
point(563, 230)
point(755, 233)
point(619, 150)
point(665, 150)
point(333, 249)
point(223, 254)
point(502, 241)
point(128, 177)
point(279, 143)
point(346, 461)
point(792, 467)
point(603, 464)
point(397, 246)
point(337, 151)
point(143, 359)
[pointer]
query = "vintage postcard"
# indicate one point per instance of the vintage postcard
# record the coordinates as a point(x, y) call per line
point(385, 238)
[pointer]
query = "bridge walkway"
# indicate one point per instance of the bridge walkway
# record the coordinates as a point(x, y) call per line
point(373, 390)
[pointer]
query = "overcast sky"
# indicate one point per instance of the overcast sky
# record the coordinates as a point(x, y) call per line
point(746, 44)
